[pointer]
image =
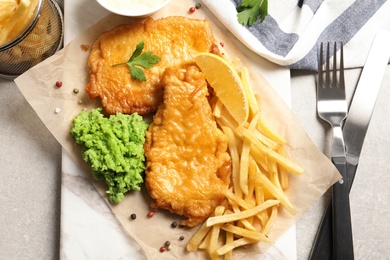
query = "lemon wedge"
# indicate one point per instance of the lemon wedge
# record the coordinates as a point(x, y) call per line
point(227, 84)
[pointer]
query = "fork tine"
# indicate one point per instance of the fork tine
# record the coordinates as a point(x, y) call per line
point(334, 80)
point(342, 83)
point(320, 66)
point(327, 69)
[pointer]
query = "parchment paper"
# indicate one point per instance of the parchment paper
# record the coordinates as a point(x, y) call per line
point(70, 66)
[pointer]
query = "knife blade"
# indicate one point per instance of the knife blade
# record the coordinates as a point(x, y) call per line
point(364, 99)
point(355, 129)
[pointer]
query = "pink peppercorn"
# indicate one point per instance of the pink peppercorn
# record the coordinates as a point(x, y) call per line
point(59, 84)
point(222, 44)
point(192, 9)
point(162, 249)
point(150, 214)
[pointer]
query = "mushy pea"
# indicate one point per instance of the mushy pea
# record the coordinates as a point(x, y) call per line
point(113, 147)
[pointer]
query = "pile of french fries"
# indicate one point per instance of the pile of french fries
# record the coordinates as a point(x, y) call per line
point(259, 180)
point(15, 15)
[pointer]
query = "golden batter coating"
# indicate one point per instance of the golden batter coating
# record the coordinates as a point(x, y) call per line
point(188, 166)
point(174, 39)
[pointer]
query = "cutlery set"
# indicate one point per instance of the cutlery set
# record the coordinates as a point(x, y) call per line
point(334, 238)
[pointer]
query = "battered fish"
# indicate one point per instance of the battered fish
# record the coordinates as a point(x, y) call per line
point(188, 166)
point(172, 38)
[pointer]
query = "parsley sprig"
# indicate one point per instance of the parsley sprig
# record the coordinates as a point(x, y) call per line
point(146, 60)
point(249, 11)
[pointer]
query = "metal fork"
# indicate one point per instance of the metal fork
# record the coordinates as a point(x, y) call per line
point(332, 108)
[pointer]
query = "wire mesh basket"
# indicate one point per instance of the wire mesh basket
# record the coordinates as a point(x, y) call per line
point(40, 40)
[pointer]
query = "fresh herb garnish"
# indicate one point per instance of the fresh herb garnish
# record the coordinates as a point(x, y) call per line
point(146, 60)
point(249, 11)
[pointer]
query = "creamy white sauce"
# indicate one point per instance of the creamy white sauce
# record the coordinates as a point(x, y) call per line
point(134, 6)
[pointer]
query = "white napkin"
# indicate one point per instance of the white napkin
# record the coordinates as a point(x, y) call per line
point(290, 35)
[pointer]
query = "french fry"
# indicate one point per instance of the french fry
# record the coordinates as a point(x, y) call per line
point(261, 178)
point(267, 130)
point(259, 149)
point(237, 200)
point(251, 185)
point(214, 234)
point(198, 237)
point(236, 243)
point(283, 175)
point(253, 104)
point(269, 133)
point(246, 233)
point(263, 216)
point(260, 159)
point(217, 109)
point(235, 160)
point(265, 140)
point(271, 220)
point(227, 120)
point(259, 192)
point(274, 174)
point(229, 239)
point(244, 162)
point(243, 222)
point(241, 215)
point(206, 241)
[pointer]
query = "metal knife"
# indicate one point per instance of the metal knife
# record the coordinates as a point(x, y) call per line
point(355, 129)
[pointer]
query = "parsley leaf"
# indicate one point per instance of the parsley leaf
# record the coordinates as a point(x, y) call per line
point(146, 60)
point(249, 11)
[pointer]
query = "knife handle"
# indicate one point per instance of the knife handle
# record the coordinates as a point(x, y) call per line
point(322, 248)
point(341, 217)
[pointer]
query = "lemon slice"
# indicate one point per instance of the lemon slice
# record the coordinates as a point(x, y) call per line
point(226, 83)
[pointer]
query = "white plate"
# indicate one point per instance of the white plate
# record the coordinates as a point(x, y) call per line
point(89, 230)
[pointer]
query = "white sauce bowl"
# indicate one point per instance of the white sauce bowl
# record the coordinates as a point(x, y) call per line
point(134, 8)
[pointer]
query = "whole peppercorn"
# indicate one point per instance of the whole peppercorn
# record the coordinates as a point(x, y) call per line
point(192, 9)
point(174, 224)
point(150, 214)
point(162, 249)
point(59, 84)
point(133, 216)
point(167, 243)
point(198, 5)
point(181, 238)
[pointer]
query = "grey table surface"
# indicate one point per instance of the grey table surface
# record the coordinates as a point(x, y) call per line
point(30, 176)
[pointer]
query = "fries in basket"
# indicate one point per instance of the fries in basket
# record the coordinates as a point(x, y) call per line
point(14, 17)
point(259, 178)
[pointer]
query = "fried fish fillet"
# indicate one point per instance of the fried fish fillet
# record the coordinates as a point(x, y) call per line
point(188, 166)
point(173, 39)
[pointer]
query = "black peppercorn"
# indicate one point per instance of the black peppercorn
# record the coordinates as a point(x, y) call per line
point(174, 224)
